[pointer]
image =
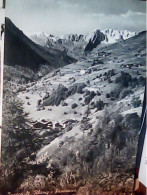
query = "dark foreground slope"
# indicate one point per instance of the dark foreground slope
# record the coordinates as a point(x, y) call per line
point(20, 50)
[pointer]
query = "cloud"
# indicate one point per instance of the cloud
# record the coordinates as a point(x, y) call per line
point(121, 21)
point(131, 14)
point(76, 16)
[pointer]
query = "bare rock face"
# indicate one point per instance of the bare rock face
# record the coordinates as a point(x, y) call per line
point(58, 96)
point(62, 93)
point(95, 41)
point(76, 88)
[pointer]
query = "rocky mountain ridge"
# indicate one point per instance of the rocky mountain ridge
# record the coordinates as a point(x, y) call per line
point(74, 41)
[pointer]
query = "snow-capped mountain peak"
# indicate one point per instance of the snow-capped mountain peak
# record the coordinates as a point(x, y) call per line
point(42, 38)
point(114, 35)
point(81, 42)
point(110, 35)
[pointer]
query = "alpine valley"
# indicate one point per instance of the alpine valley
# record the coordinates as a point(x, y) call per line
point(71, 110)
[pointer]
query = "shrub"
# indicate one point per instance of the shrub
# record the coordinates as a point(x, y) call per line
point(115, 94)
point(109, 80)
point(74, 106)
point(108, 95)
point(124, 79)
point(142, 81)
point(99, 105)
point(125, 93)
point(136, 102)
point(89, 97)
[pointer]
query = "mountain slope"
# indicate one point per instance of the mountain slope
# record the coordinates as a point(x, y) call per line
point(88, 115)
point(20, 50)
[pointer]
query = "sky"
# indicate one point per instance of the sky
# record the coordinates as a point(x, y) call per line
point(60, 17)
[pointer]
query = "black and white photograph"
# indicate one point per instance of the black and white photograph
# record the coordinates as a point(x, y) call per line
point(74, 77)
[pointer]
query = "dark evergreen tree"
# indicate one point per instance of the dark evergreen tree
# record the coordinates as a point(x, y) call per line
point(19, 144)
